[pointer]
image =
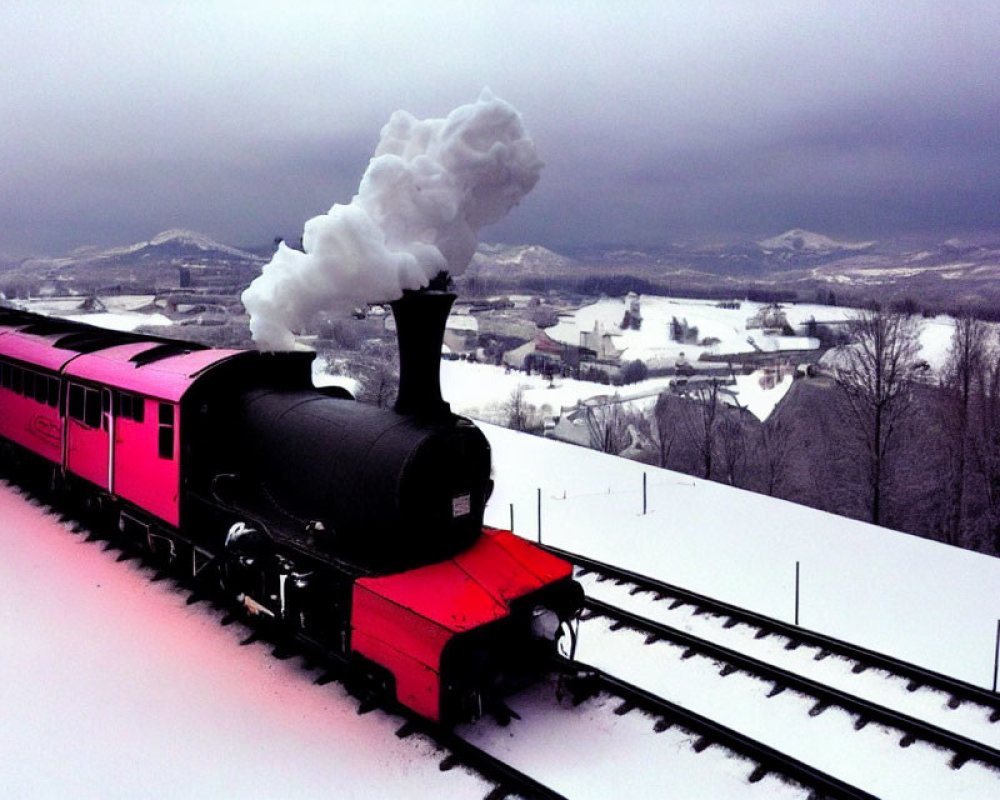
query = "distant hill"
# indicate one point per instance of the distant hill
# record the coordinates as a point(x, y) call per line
point(797, 263)
point(169, 259)
point(800, 241)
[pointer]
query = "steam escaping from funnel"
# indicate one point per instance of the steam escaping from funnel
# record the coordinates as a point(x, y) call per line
point(429, 188)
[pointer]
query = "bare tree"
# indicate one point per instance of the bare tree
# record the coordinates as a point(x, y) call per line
point(985, 423)
point(379, 366)
point(519, 414)
point(733, 446)
point(875, 379)
point(964, 370)
point(607, 425)
point(775, 447)
point(698, 421)
point(663, 428)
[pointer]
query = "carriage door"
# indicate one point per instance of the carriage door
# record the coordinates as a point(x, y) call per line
point(90, 424)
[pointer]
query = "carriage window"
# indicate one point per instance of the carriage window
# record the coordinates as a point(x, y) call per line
point(130, 406)
point(53, 396)
point(91, 408)
point(166, 430)
point(85, 405)
point(5, 376)
point(76, 402)
point(41, 388)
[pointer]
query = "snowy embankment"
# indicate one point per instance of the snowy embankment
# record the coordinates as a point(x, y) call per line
point(915, 599)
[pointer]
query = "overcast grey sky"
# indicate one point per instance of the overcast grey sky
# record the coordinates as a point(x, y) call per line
point(658, 121)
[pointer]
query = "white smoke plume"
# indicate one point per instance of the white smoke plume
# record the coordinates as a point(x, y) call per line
point(429, 188)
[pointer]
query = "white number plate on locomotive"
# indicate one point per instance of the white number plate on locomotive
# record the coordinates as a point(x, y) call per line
point(461, 506)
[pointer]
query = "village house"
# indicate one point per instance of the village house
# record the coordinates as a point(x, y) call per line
point(461, 333)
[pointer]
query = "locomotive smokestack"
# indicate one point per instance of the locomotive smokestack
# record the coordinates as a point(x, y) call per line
point(420, 321)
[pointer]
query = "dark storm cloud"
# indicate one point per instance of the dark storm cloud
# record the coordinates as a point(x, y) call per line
point(656, 121)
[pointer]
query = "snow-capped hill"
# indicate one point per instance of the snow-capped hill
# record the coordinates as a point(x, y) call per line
point(148, 262)
point(802, 241)
point(519, 259)
point(178, 237)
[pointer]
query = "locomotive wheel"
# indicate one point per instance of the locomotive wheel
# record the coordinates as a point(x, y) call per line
point(371, 683)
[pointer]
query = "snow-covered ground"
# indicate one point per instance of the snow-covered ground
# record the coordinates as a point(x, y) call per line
point(652, 341)
point(727, 325)
point(481, 390)
point(121, 313)
point(919, 600)
point(112, 686)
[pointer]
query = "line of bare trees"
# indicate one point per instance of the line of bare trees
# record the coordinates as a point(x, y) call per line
point(969, 413)
point(886, 442)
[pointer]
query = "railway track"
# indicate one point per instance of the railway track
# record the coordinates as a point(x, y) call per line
point(458, 752)
point(869, 738)
point(959, 693)
point(508, 781)
point(709, 732)
point(962, 748)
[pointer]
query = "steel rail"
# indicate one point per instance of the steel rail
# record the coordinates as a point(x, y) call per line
point(918, 676)
point(767, 758)
point(963, 748)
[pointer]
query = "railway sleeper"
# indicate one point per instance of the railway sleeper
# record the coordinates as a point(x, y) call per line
point(759, 773)
point(581, 686)
point(819, 707)
point(449, 762)
point(625, 707)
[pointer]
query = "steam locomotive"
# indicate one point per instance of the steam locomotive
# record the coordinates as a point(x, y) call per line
point(357, 531)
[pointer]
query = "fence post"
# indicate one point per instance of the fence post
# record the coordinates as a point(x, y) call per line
point(797, 592)
point(539, 515)
point(643, 493)
point(996, 658)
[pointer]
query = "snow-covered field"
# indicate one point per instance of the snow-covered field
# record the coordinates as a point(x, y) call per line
point(481, 390)
point(727, 325)
point(652, 341)
point(919, 600)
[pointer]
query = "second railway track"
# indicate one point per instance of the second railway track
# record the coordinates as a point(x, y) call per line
point(816, 723)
